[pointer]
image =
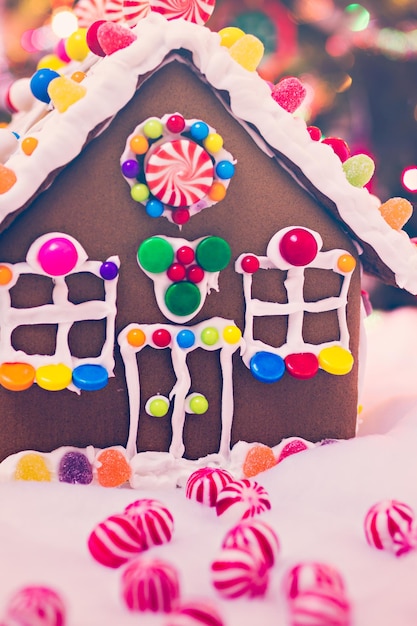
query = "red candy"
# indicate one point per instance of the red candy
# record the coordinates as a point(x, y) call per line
point(289, 93)
point(390, 525)
point(255, 536)
point(293, 446)
point(135, 10)
point(89, 11)
point(298, 247)
point(320, 607)
point(205, 484)
point(312, 575)
point(242, 499)
point(153, 520)
point(339, 146)
point(91, 38)
point(195, 614)
point(314, 132)
point(150, 586)
point(112, 37)
point(116, 540)
point(197, 11)
point(35, 606)
point(237, 572)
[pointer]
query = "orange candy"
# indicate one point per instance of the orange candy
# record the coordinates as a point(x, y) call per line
point(7, 179)
point(258, 459)
point(139, 144)
point(136, 337)
point(29, 144)
point(217, 192)
point(6, 275)
point(113, 470)
point(17, 376)
point(78, 77)
point(396, 212)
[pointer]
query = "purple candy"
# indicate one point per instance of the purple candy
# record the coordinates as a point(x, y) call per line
point(75, 468)
point(130, 168)
point(109, 270)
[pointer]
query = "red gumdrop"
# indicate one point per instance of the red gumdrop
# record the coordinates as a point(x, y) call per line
point(339, 146)
point(113, 37)
point(91, 38)
point(292, 447)
point(289, 93)
point(314, 132)
point(298, 246)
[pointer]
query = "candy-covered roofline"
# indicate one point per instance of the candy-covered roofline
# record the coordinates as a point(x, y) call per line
point(62, 135)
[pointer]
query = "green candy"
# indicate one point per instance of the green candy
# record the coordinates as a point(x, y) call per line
point(213, 254)
point(155, 255)
point(182, 298)
point(359, 169)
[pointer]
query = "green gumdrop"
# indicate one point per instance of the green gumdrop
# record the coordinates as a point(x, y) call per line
point(155, 255)
point(359, 169)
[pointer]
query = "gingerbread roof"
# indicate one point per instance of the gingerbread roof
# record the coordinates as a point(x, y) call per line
point(111, 83)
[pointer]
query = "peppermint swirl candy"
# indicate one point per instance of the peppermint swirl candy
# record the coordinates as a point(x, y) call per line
point(150, 586)
point(311, 575)
point(390, 525)
point(205, 484)
point(135, 10)
point(116, 540)
point(37, 606)
point(89, 11)
point(237, 573)
point(195, 614)
point(320, 607)
point(114, 11)
point(153, 520)
point(197, 11)
point(257, 537)
point(241, 499)
point(179, 173)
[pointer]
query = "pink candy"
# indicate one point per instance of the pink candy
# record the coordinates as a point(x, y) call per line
point(116, 540)
point(312, 575)
point(35, 606)
point(197, 11)
point(293, 446)
point(320, 607)
point(150, 586)
point(289, 93)
point(390, 525)
point(237, 572)
point(205, 484)
point(241, 499)
point(112, 37)
point(135, 10)
point(153, 520)
point(255, 536)
point(195, 614)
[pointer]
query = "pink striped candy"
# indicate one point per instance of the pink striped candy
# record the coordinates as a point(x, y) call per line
point(390, 525)
point(179, 172)
point(35, 606)
point(205, 484)
point(311, 575)
point(197, 11)
point(320, 607)
point(150, 586)
point(153, 520)
point(237, 572)
point(255, 536)
point(89, 11)
point(241, 499)
point(135, 10)
point(116, 540)
point(195, 614)
point(113, 11)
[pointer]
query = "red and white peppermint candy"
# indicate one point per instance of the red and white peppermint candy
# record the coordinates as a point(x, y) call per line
point(197, 11)
point(241, 499)
point(150, 586)
point(257, 537)
point(35, 606)
point(205, 484)
point(179, 173)
point(320, 607)
point(237, 572)
point(135, 10)
point(195, 614)
point(89, 11)
point(153, 520)
point(390, 525)
point(312, 575)
point(116, 540)
point(113, 11)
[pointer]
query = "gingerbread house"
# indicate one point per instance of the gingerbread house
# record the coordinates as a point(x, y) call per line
point(181, 262)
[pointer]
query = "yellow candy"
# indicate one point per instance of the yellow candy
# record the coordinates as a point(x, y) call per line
point(232, 334)
point(248, 52)
point(51, 62)
point(346, 263)
point(396, 212)
point(64, 92)
point(53, 377)
point(229, 35)
point(213, 142)
point(32, 466)
point(336, 360)
point(76, 45)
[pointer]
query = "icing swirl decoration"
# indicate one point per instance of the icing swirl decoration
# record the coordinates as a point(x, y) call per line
point(176, 167)
point(197, 11)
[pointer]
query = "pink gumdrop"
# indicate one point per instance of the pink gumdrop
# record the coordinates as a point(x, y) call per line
point(311, 575)
point(116, 541)
point(153, 519)
point(390, 525)
point(35, 606)
point(150, 586)
point(293, 446)
point(195, 614)
point(237, 572)
point(256, 536)
point(205, 484)
point(298, 247)
point(112, 37)
point(339, 147)
point(58, 256)
point(289, 93)
point(241, 499)
point(320, 607)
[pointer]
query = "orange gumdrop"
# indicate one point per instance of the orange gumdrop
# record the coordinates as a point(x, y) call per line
point(396, 212)
point(113, 470)
point(7, 179)
point(258, 459)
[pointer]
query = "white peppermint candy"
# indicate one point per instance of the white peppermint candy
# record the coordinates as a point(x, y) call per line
point(35, 606)
point(205, 484)
point(390, 525)
point(195, 614)
point(153, 519)
point(241, 499)
point(197, 11)
point(237, 572)
point(116, 540)
point(320, 607)
point(311, 575)
point(150, 585)
point(255, 536)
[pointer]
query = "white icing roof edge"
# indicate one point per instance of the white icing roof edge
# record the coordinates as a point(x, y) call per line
point(111, 83)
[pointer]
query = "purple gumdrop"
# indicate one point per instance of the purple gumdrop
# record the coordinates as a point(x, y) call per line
point(75, 468)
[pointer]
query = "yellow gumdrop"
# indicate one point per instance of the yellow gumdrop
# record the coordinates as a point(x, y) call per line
point(230, 35)
point(64, 92)
point(53, 377)
point(336, 360)
point(248, 52)
point(32, 466)
point(396, 212)
point(51, 62)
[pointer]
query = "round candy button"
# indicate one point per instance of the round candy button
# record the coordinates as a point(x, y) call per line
point(185, 338)
point(90, 377)
point(17, 376)
point(58, 256)
point(54, 377)
point(183, 298)
point(109, 270)
point(303, 365)
point(298, 246)
point(336, 360)
point(267, 367)
point(213, 254)
point(155, 255)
